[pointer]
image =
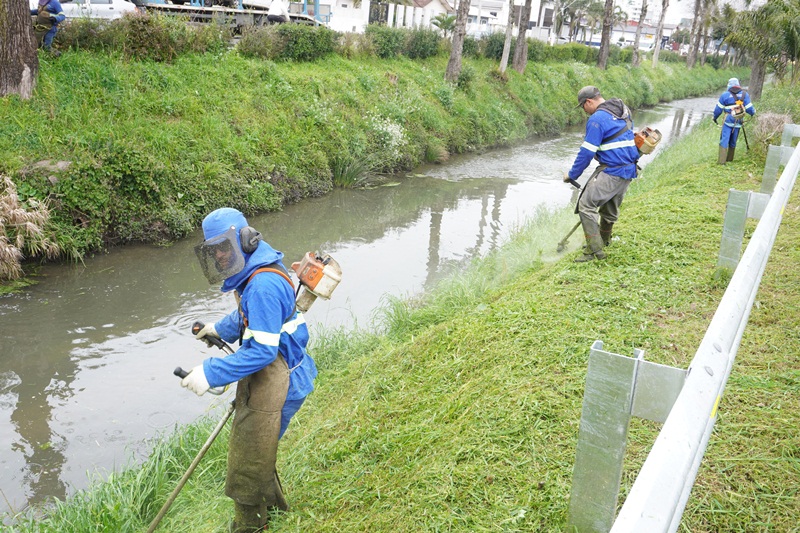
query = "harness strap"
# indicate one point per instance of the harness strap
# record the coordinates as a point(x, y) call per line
point(275, 268)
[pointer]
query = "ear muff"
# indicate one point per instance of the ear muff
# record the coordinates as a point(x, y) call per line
point(249, 238)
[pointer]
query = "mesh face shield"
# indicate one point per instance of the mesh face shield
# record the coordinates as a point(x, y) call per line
point(220, 257)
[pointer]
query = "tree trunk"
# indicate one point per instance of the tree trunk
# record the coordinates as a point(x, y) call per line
point(636, 53)
point(758, 71)
point(660, 31)
point(19, 61)
point(521, 50)
point(507, 43)
point(705, 48)
point(605, 40)
point(454, 64)
point(694, 36)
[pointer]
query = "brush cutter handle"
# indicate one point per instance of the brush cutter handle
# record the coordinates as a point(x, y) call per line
point(574, 184)
point(181, 373)
point(216, 341)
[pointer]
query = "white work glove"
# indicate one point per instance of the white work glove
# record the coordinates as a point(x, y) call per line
point(207, 331)
point(196, 381)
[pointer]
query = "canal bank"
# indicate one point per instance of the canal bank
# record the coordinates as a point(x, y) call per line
point(463, 415)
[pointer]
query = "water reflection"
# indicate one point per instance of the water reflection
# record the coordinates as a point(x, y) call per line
point(88, 353)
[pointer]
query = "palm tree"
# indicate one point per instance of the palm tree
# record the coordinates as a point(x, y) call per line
point(444, 22)
point(594, 16)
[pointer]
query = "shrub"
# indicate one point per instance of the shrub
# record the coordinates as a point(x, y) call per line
point(471, 47)
point(259, 41)
point(306, 43)
point(422, 43)
point(387, 42)
point(493, 46)
point(144, 36)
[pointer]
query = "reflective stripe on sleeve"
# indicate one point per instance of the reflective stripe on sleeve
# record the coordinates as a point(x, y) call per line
point(291, 326)
point(589, 146)
point(262, 337)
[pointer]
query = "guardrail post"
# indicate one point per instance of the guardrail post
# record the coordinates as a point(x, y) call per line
point(617, 387)
point(790, 131)
point(741, 206)
point(777, 156)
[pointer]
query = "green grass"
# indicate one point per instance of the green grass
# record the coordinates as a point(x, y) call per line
point(462, 414)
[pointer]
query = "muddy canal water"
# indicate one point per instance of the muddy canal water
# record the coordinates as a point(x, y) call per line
point(87, 354)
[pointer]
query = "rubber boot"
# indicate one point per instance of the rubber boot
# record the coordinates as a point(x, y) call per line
point(595, 251)
point(249, 518)
point(723, 155)
point(605, 231)
point(731, 150)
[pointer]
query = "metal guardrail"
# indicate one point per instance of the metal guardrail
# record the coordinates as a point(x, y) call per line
point(659, 494)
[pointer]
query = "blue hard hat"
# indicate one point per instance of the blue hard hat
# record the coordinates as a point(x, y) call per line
point(733, 82)
point(221, 220)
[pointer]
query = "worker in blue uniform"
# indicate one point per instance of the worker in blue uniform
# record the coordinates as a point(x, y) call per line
point(734, 102)
point(609, 139)
point(49, 14)
point(274, 371)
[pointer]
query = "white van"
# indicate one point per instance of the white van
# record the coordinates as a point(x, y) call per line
point(98, 9)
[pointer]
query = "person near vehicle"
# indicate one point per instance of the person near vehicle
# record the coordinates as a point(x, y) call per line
point(278, 12)
point(734, 102)
point(609, 139)
point(272, 367)
point(49, 14)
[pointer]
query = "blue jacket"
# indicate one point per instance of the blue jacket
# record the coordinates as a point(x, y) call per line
point(619, 154)
point(727, 101)
point(53, 7)
point(268, 303)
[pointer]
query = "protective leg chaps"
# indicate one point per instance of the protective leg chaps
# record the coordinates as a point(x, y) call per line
point(594, 243)
point(605, 231)
point(723, 155)
point(252, 480)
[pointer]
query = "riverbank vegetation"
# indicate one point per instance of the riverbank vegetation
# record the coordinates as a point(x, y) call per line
point(123, 147)
point(462, 413)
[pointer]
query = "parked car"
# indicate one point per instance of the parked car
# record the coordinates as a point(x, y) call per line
point(100, 9)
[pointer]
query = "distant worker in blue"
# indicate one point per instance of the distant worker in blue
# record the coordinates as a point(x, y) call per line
point(48, 15)
point(274, 372)
point(609, 139)
point(734, 102)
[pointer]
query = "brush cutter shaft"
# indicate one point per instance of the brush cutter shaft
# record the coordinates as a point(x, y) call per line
point(185, 478)
point(568, 235)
